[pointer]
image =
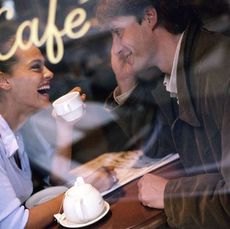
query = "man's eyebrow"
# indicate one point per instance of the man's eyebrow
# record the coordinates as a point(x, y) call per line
point(114, 30)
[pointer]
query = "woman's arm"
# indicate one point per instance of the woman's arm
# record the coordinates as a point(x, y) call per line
point(62, 156)
point(43, 214)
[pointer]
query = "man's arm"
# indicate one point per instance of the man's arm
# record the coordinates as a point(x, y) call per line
point(139, 115)
point(200, 201)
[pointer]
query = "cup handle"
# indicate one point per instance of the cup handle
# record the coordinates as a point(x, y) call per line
point(67, 108)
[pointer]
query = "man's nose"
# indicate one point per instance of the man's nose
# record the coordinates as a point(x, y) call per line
point(117, 47)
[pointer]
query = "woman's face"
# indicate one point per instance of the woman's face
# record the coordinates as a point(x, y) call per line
point(29, 80)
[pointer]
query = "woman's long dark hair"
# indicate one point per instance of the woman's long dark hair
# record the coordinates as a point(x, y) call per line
point(7, 38)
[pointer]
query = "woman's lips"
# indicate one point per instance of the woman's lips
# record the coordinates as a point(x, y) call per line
point(44, 89)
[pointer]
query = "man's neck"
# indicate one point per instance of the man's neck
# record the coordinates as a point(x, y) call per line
point(167, 44)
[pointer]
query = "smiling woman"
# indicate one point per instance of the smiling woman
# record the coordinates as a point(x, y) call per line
point(24, 89)
point(24, 85)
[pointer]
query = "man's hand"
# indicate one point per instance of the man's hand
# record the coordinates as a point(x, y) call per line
point(151, 191)
point(123, 70)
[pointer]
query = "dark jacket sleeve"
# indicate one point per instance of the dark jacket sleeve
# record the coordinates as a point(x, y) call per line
point(198, 202)
point(142, 121)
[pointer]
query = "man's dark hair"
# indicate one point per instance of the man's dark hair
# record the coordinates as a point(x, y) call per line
point(174, 15)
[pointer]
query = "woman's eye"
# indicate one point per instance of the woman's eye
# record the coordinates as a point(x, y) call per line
point(37, 67)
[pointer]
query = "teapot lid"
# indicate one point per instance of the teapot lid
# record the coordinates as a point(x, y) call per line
point(79, 181)
point(80, 188)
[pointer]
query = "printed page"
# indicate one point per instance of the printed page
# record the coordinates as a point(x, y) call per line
point(128, 166)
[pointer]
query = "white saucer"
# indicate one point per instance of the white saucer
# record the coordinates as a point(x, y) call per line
point(65, 223)
point(44, 195)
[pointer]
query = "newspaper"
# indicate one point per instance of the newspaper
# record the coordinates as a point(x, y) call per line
point(128, 166)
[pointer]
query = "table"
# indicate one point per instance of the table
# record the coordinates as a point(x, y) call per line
point(127, 212)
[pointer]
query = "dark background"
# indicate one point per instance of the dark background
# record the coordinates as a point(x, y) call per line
point(86, 60)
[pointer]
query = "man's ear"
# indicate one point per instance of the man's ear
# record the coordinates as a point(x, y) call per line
point(4, 82)
point(151, 17)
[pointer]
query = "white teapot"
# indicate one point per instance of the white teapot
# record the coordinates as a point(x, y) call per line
point(82, 202)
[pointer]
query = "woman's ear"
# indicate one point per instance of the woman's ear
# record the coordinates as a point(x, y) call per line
point(4, 82)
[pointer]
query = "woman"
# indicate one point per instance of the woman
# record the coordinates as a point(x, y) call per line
point(24, 87)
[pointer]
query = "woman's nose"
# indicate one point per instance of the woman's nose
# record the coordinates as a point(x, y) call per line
point(48, 74)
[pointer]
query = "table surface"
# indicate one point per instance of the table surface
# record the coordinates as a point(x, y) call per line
point(125, 209)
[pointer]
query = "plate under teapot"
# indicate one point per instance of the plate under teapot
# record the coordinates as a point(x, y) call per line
point(66, 223)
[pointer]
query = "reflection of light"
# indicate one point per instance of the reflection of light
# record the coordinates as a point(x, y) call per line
point(82, 1)
point(9, 4)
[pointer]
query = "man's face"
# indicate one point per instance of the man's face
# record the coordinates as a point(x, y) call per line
point(132, 42)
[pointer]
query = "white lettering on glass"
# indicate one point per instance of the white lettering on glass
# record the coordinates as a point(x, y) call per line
point(75, 26)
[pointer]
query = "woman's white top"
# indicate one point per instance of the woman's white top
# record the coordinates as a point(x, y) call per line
point(15, 183)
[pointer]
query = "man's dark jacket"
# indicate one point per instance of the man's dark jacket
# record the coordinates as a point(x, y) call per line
point(202, 133)
point(142, 119)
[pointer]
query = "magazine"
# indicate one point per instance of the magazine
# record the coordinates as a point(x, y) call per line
point(128, 165)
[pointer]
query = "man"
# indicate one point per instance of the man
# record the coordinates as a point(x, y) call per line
point(137, 92)
point(169, 35)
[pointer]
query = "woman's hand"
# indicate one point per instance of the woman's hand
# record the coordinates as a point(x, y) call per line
point(103, 179)
point(78, 89)
point(59, 119)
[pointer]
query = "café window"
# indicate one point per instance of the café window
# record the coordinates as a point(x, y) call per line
point(115, 120)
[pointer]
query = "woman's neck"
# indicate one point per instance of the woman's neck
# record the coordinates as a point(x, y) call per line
point(13, 117)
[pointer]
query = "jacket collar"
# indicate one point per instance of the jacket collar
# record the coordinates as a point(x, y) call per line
point(162, 98)
point(184, 73)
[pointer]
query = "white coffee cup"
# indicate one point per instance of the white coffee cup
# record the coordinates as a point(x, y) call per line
point(82, 202)
point(70, 106)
